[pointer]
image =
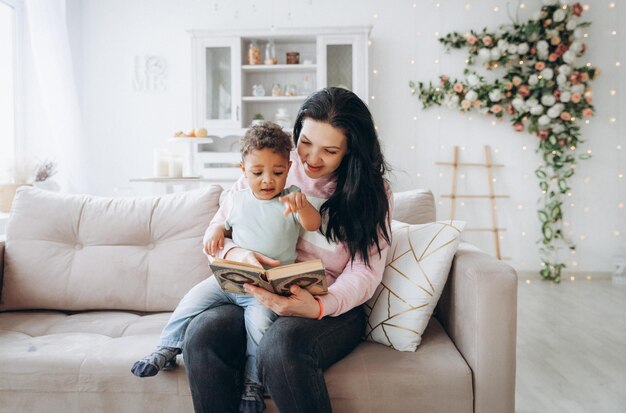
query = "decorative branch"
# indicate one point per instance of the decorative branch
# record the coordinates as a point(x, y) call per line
point(541, 91)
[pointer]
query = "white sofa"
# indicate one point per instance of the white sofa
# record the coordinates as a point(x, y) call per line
point(88, 283)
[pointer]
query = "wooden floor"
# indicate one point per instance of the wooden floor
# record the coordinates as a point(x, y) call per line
point(571, 346)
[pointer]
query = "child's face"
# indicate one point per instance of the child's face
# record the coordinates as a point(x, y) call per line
point(266, 172)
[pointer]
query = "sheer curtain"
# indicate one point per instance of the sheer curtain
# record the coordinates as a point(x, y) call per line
point(46, 28)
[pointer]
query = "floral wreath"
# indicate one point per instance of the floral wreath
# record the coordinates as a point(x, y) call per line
point(542, 91)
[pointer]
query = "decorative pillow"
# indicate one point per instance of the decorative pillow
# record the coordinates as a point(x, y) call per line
point(415, 273)
point(416, 206)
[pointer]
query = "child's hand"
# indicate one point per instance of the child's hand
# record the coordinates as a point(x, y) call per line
point(215, 241)
point(294, 202)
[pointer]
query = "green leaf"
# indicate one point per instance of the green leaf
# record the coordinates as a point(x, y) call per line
point(547, 232)
point(543, 216)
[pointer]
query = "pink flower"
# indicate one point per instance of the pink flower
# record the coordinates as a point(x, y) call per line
point(519, 126)
point(465, 104)
point(471, 39)
point(584, 77)
point(561, 142)
point(508, 85)
point(553, 57)
point(587, 112)
point(575, 97)
point(487, 40)
point(458, 87)
point(443, 79)
point(577, 9)
point(496, 109)
point(540, 65)
point(533, 50)
point(517, 80)
point(566, 116)
point(524, 91)
point(557, 94)
point(562, 48)
point(511, 110)
point(543, 134)
point(575, 78)
point(589, 100)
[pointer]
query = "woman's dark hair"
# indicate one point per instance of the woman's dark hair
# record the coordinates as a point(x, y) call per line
point(358, 210)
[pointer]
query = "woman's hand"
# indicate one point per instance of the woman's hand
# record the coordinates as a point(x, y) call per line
point(299, 304)
point(250, 257)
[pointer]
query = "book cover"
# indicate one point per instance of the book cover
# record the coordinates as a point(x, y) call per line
point(232, 275)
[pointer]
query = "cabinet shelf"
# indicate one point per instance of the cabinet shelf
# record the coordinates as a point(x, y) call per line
point(279, 68)
point(299, 98)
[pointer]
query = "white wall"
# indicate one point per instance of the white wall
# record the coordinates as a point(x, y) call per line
point(123, 125)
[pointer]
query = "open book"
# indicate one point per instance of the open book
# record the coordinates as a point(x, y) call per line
point(232, 275)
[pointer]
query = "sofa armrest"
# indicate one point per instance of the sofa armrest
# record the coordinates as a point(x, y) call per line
point(1, 266)
point(478, 309)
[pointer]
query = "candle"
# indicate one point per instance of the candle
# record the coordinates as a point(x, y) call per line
point(175, 166)
point(160, 162)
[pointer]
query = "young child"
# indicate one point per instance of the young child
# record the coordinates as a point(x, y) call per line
point(264, 217)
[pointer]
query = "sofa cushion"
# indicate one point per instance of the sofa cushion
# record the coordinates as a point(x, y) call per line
point(416, 206)
point(81, 252)
point(51, 361)
point(415, 274)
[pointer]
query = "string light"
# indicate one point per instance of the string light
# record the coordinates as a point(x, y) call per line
point(496, 9)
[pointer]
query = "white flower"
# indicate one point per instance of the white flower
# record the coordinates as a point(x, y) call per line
point(484, 53)
point(579, 88)
point(495, 54)
point(576, 46)
point(543, 120)
point(495, 95)
point(555, 111)
point(565, 97)
point(533, 80)
point(471, 95)
point(547, 73)
point(453, 102)
point(472, 80)
point(568, 57)
point(558, 15)
point(542, 45)
point(532, 102)
point(558, 128)
point(548, 100)
point(561, 79)
point(571, 24)
point(542, 55)
point(536, 110)
point(518, 103)
point(512, 49)
point(565, 69)
point(522, 48)
point(503, 44)
point(578, 34)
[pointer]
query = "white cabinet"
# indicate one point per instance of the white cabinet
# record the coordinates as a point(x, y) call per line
point(224, 101)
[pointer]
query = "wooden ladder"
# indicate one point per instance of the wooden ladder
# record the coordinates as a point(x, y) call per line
point(494, 229)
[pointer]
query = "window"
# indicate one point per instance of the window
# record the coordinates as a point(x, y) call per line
point(8, 85)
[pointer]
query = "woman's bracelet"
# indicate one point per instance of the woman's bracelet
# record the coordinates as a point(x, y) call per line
point(321, 313)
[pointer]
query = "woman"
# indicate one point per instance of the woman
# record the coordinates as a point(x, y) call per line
point(338, 164)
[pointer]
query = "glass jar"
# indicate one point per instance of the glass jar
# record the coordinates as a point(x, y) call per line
point(254, 54)
point(258, 90)
point(293, 58)
point(270, 53)
point(276, 89)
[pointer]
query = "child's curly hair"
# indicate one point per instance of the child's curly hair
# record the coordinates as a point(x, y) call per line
point(266, 135)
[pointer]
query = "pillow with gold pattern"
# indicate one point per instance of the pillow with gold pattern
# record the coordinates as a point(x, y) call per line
point(416, 271)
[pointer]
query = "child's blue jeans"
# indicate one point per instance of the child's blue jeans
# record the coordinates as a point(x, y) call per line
point(208, 294)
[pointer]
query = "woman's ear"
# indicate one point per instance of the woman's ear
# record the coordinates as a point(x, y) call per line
point(243, 168)
point(289, 166)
